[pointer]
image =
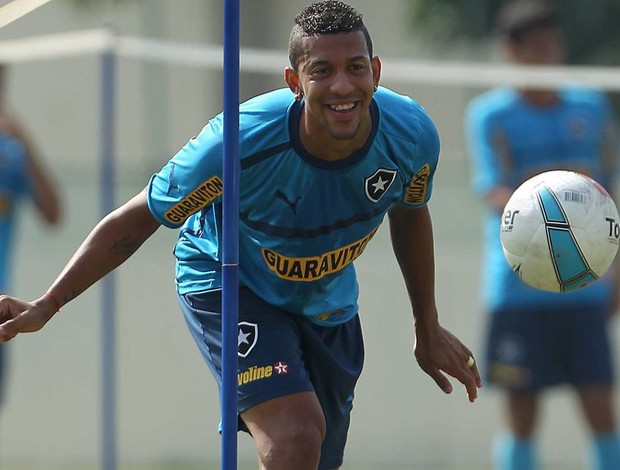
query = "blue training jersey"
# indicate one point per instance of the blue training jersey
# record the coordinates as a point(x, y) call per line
point(14, 184)
point(511, 140)
point(303, 220)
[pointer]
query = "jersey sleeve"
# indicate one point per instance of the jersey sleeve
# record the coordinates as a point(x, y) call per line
point(191, 180)
point(486, 163)
point(426, 157)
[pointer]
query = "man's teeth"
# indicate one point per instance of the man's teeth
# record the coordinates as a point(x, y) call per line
point(342, 107)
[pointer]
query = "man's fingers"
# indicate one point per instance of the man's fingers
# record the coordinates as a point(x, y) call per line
point(25, 322)
point(441, 380)
point(477, 377)
point(470, 378)
point(7, 331)
point(466, 375)
point(472, 391)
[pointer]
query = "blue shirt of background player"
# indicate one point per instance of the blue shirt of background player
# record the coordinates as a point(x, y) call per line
point(303, 220)
point(511, 140)
point(14, 185)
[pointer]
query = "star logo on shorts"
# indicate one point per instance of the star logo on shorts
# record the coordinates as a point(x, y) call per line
point(247, 337)
point(281, 368)
point(378, 183)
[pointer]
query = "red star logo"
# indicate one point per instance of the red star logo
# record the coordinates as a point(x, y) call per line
point(281, 368)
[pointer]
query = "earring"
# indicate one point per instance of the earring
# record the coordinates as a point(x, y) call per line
point(376, 87)
point(299, 96)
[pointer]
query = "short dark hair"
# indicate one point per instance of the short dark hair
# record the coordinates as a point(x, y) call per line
point(522, 16)
point(326, 17)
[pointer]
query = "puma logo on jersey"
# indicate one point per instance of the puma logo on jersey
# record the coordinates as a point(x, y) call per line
point(291, 204)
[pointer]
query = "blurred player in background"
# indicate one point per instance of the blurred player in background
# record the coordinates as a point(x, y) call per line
point(22, 176)
point(322, 162)
point(536, 339)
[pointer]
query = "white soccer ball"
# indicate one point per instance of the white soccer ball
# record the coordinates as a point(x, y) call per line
point(559, 231)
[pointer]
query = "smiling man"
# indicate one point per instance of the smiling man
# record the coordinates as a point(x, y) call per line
point(337, 75)
point(322, 162)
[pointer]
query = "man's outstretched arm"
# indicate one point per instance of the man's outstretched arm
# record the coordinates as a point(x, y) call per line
point(113, 240)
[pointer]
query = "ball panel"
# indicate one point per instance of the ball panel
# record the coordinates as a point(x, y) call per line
point(551, 209)
point(566, 255)
point(534, 264)
point(579, 283)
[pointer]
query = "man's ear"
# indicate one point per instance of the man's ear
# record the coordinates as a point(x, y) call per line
point(292, 80)
point(375, 64)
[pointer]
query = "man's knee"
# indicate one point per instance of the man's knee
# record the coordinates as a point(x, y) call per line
point(296, 443)
point(288, 431)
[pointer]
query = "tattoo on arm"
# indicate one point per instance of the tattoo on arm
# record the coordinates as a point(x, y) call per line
point(69, 297)
point(124, 246)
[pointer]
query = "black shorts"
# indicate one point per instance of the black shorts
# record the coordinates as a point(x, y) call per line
point(280, 354)
point(529, 350)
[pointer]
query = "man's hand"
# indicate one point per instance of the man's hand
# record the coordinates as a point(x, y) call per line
point(438, 351)
point(18, 316)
